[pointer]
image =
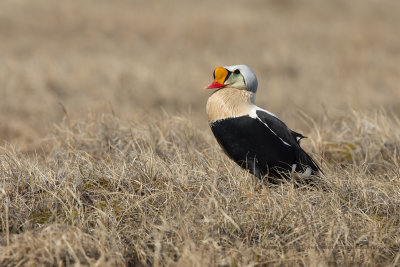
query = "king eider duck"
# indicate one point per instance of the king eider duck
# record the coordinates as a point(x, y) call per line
point(254, 138)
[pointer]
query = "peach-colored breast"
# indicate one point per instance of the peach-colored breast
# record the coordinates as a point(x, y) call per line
point(228, 103)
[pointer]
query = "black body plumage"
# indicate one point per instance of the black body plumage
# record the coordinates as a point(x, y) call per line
point(263, 144)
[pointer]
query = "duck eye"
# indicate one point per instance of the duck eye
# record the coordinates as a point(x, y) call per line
point(237, 71)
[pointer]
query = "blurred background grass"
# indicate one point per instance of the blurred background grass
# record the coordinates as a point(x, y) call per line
point(138, 58)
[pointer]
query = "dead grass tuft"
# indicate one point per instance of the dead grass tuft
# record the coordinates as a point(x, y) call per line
point(161, 192)
point(59, 245)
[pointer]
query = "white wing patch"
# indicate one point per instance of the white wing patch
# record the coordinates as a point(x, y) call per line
point(306, 173)
point(253, 114)
point(294, 168)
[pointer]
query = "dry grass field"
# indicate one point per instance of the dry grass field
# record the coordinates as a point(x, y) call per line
point(106, 158)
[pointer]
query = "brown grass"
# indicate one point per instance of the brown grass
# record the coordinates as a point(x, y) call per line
point(163, 193)
point(106, 158)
